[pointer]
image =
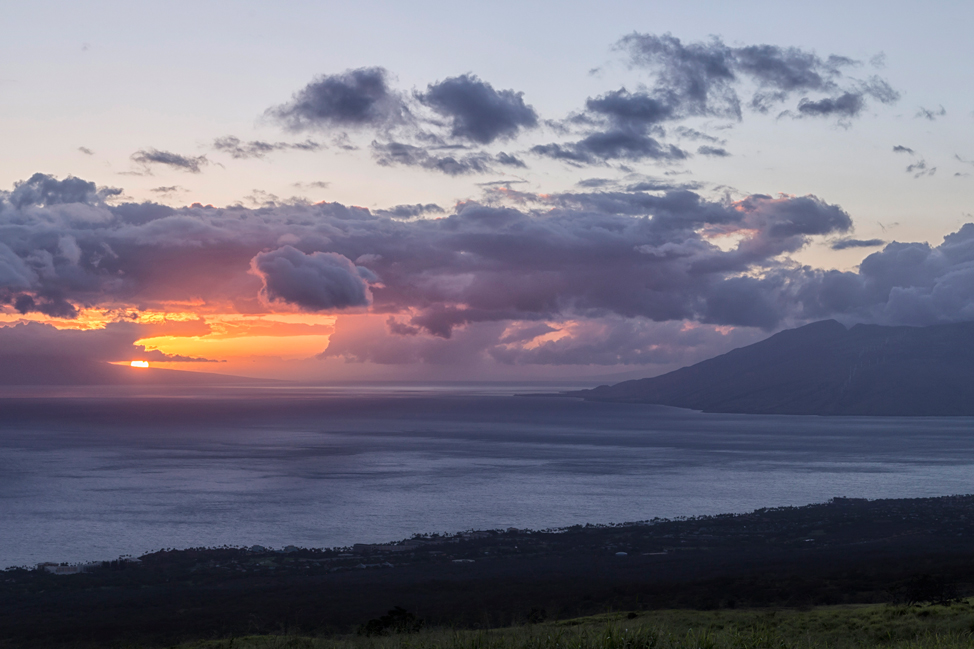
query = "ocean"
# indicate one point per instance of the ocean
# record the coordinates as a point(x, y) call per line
point(92, 474)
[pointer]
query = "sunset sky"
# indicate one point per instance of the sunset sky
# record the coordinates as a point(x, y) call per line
point(439, 190)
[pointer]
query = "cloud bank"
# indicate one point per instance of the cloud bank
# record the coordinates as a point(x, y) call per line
point(566, 268)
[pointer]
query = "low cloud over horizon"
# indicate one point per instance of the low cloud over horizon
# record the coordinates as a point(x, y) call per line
point(589, 278)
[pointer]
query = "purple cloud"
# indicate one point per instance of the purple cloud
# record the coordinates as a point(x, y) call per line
point(476, 111)
point(321, 281)
point(568, 257)
point(352, 99)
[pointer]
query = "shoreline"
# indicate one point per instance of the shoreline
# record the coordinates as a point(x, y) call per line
point(845, 551)
point(425, 540)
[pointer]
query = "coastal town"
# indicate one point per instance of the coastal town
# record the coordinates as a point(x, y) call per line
point(843, 551)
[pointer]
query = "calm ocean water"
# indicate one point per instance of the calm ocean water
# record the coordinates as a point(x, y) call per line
point(92, 475)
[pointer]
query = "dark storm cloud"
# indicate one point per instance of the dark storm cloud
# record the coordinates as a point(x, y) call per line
point(479, 269)
point(843, 244)
point(85, 150)
point(150, 157)
point(476, 111)
point(353, 99)
point(899, 148)
point(320, 281)
point(257, 149)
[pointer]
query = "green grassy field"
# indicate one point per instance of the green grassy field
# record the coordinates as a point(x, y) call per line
point(919, 627)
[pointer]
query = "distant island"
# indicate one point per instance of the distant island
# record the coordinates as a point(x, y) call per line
point(823, 369)
point(37, 371)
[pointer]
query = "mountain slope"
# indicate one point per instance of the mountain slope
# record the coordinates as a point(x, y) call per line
point(824, 369)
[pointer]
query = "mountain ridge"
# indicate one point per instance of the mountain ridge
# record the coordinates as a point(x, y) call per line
point(823, 368)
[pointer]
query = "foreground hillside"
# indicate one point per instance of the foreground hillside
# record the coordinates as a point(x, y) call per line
point(824, 369)
point(859, 627)
point(890, 552)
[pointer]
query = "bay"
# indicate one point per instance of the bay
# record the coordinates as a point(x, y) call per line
point(92, 474)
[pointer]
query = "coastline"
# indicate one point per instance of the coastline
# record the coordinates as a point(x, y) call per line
point(846, 551)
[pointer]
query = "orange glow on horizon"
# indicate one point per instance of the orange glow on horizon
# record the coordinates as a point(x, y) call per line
point(216, 336)
point(234, 336)
point(218, 349)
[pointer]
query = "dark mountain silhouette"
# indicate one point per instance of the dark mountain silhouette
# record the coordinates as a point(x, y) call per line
point(824, 369)
point(43, 370)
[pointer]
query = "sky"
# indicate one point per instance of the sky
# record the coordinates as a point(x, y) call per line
point(470, 191)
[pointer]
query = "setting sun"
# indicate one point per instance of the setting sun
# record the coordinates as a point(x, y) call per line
point(140, 363)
